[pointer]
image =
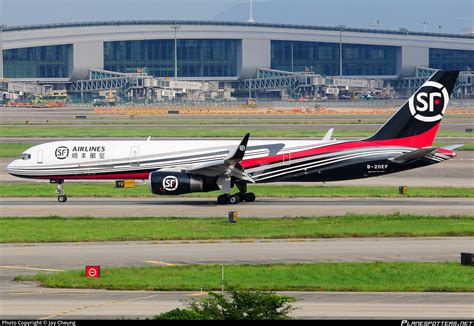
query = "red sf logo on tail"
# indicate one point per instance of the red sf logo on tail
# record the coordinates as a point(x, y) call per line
point(429, 105)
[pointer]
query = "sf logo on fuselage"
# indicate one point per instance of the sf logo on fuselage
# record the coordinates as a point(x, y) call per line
point(61, 152)
point(429, 104)
point(170, 183)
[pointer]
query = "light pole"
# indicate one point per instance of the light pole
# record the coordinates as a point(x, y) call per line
point(251, 20)
point(424, 23)
point(341, 27)
point(175, 27)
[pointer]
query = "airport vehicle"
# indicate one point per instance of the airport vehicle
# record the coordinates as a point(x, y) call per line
point(178, 167)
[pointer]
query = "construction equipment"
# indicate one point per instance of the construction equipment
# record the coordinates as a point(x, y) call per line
point(108, 99)
point(250, 103)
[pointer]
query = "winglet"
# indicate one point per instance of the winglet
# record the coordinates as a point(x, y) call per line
point(328, 135)
point(239, 152)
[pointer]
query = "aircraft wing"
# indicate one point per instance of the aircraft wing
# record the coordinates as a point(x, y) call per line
point(229, 166)
point(413, 155)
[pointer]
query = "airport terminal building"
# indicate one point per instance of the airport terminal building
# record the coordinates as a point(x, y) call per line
point(223, 51)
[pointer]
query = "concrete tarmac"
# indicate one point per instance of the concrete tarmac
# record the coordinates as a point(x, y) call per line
point(207, 207)
point(138, 253)
point(29, 302)
point(26, 300)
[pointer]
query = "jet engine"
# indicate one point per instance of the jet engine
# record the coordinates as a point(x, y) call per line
point(178, 183)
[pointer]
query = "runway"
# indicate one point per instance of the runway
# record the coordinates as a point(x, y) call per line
point(28, 301)
point(207, 207)
point(137, 253)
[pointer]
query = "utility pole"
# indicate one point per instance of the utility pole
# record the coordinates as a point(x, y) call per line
point(175, 27)
point(341, 27)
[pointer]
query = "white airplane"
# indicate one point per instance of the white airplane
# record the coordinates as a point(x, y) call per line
point(180, 167)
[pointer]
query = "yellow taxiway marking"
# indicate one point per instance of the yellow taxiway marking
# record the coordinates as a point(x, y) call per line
point(159, 263)
point(199, 294)
point(107, 303)
point(33, 268)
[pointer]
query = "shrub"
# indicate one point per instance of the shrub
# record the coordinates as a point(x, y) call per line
point(179, 314)
point(235, 305)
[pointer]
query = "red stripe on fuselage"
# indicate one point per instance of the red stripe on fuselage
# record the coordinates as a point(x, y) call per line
point(418, 141)
point(131, 175)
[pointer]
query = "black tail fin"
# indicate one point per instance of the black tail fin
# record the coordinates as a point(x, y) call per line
point(419, 118)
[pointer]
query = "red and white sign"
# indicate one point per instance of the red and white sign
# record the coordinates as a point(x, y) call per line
point(93, 271)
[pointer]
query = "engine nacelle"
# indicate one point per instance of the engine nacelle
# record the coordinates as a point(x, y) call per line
point(178, 183)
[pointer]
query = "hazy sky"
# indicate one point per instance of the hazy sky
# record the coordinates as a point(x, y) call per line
point(447, 16)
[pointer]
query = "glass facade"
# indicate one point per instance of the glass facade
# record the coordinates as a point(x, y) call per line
point(196, 57)
point(323, 58)
point(451, 59)
point(50, 61)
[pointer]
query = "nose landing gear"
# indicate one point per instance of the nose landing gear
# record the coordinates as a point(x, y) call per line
point(62, 197)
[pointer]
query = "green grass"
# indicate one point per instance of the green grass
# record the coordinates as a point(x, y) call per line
point(57, 229)
point(44, 189)
point(13, 150)
point(66, 132)
point(361, 277)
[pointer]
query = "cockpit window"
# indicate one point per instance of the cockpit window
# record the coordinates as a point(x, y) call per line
point(24, 157)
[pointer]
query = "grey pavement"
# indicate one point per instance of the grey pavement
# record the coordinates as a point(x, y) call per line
point(207, 207)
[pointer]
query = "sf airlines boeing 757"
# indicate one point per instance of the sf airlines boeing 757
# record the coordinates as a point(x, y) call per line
point(180, 167)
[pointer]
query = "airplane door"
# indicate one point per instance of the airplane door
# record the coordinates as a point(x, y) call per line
point(135, 155)
point(39, 157)
point(287, 159)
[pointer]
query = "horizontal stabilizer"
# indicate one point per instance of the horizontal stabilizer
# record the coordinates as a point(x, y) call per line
point(413, 155)
point(453, 147)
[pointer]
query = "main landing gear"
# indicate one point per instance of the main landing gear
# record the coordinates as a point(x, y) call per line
point(62, 198)
point(236, 198)
point(243, 195)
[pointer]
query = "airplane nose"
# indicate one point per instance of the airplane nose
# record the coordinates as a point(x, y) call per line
point(11, 168)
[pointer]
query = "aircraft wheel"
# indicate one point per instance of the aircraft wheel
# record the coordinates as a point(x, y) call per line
point(223, 199)
point(62, 198)
point(250, 197)
point(234, 199)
